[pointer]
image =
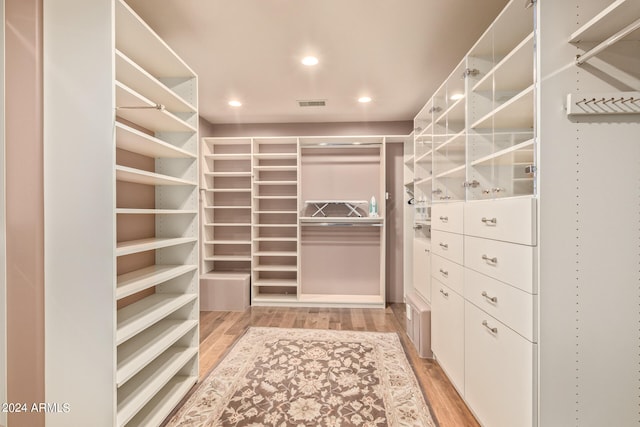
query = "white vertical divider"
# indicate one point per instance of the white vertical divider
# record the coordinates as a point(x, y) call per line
point(79, 221)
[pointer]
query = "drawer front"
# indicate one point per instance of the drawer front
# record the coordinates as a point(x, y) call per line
point(421, 267)
point(447, 217)
point(508, 262)
point(448, 245)
point(448, 273)
point(499, 371)
point(510, 305)
point(509, 220)
point(447, 332)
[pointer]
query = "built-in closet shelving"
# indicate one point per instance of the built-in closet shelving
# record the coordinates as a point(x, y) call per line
point(135, 314)
point(226, 204)
point(275, 220)
point(156, 253)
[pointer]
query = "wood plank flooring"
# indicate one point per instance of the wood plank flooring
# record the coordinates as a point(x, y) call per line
point(220, 329)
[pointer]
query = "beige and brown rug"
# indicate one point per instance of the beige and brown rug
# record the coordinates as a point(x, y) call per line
point(276, 377)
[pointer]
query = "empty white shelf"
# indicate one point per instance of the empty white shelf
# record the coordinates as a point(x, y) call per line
point(139, 351)
point(142, 245)
point(227, 174)
point(139, 42)
point(284, 212)
point(164, 401)
point(276, 182)
point(409, 160)
point(275, 225)
point(275, 197)
point(136, 281)
point(275, 239)
point(227, 207)
point(276, 268)
point(606, 23)
point(228, 190)
point(275, 156)
point(519, 153)
point(453, 143)
point(239, 156)
point(276, 253)
point(227, 242)
point(138, 176)
point(129, 211)
point(136, 78)
point(227, 224)
point(276, 168)
point(140, 389)
point(274, 298)
point(228, 258)
point(349, 219)
point(130, 139)
point(513, 72)
point(453, 172)
point(276, 282)
point(517, 112)
point(423, 180)
point(424, 158)
point(135, 108)
point(138, 316)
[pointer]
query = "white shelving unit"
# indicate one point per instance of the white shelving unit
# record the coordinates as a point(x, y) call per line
point(138, 309)
point(226, 208)
point(275, 276)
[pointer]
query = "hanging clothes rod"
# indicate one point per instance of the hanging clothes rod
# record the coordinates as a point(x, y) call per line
point(581, 59)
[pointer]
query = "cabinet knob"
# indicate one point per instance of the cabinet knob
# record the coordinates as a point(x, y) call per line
point(444, 218)
point(444, 273)
point(489, 221)
point(446, 294)
point(492, 299)
point(493, 260)
point(486, 325)
point(444, 245)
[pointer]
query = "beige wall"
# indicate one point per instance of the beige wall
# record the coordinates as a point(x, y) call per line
point(24, 208)
point(395, 222)
point(306, 129)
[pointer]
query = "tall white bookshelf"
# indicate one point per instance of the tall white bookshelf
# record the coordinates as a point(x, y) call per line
point(122, 270)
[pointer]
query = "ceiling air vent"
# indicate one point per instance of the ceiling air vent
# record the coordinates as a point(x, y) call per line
point(312, 103)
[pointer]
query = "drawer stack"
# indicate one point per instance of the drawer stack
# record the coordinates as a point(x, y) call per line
point(447, 290)
point(499, 314)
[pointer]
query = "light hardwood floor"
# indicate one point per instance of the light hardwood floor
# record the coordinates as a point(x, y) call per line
point(220, 329)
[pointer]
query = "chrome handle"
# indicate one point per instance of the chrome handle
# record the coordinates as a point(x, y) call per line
point(446, 294)
point(497, 189)
point(417, 227)
point(487, 221)
point(486, 325)
point(492, 299)
point(444, 273)
point(485, 191)
point(427, 250)
point(444, 218)
point(444, 245)
point(493, 260)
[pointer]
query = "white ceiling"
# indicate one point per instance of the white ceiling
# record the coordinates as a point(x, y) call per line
point(395, 51)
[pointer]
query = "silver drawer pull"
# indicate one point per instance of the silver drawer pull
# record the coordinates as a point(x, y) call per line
point(417, 226)
point(444, 245)
point(427, 250)
point(489, 221)
point(444, 273)
point(446, 294)
point(493, 260)
point(486, 325)
point(444, 218)
point(492, 299)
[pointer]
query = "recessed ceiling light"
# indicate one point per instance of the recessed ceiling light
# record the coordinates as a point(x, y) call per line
point(235, 103)
point(456, 96)
point(309, 60)
point(364, 99)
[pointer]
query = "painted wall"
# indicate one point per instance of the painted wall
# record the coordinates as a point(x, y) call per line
point(307, 129)
point(3, 319)
point(24, 208)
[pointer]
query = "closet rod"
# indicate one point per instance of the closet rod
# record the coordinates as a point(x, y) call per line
point(581, 59)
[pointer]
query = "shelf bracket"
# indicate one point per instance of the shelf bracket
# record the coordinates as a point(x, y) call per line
point(581, 59)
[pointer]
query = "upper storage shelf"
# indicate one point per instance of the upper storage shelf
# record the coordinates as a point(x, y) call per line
point(130, 139)
point(613, 18)
point(139, 42)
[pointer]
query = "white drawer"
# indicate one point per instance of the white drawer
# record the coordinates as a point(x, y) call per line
point(447, 217)
point(447, 332)
point(422, 267)
point(510, 305)
point(508, 262)
point(509, 220)
point(448, 272)
point(447, 245)
point(499, 371)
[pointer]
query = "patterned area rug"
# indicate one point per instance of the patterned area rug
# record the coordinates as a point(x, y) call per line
point(275, 377)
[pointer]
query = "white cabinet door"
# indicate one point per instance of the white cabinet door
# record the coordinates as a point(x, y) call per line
point(447, 332)
point(422, 267)
point(498, 371)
